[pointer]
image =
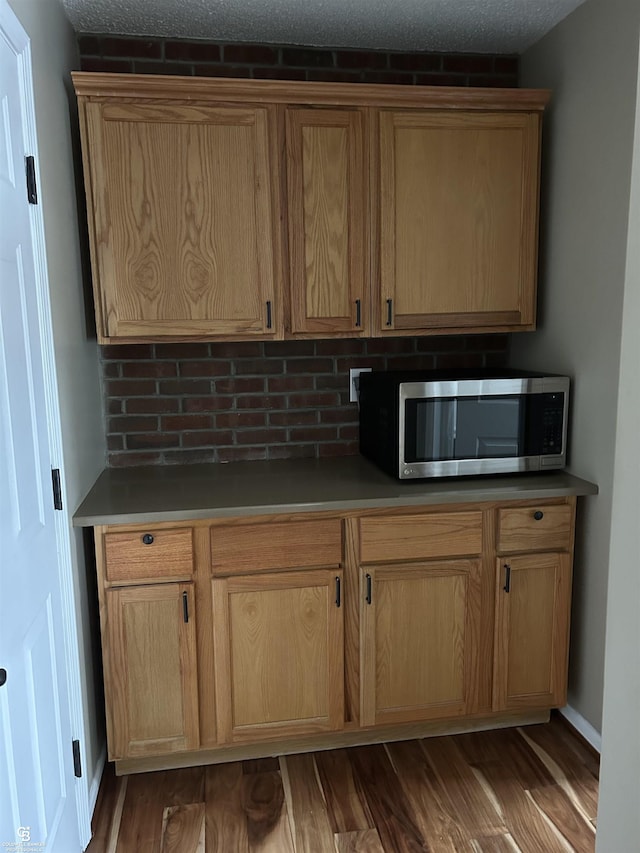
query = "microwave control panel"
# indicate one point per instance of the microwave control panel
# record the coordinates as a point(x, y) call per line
point(552, 423)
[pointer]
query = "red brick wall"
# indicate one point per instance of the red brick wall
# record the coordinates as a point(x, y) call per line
point(167, 56)
point(221, 402)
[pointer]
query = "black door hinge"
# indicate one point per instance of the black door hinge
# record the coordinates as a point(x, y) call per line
point(57, 488)
point(32, 190)
point(77, 761)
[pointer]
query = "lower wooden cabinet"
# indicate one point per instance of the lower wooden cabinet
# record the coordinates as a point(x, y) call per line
point(279, 654)
point(317, 626)
point(420, 626)
point(150, 670)
point(533, 601)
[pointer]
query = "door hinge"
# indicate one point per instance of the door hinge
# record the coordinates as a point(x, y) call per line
point(57, 488)
point(77, 761)
point(32, 190)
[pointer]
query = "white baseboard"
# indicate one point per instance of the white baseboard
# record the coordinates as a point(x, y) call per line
point(581, 725)
point(95, 782)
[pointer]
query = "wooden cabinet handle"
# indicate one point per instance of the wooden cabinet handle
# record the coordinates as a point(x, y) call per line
point(507, 578)
point(185, 607)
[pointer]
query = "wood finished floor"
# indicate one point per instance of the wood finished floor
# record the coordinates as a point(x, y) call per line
point(531, 789)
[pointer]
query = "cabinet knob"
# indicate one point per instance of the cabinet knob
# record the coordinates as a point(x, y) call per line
point(3, 676)
point(147, 539)
point(538, 515)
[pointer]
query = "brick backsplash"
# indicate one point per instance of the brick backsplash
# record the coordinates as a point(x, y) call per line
point(288, 62)
point(220, 402)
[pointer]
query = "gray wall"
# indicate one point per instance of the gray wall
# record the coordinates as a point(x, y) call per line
point(590, 62)
point(54, 54)
point(619, 812)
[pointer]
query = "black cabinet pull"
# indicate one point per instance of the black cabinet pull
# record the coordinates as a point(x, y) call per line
point(538, 515)
point(368, 596)
point(185, 606)
point(3, 677)
point(358, 313)
point(338, 599)
point(147, 539)
point(389, 311)
point(268, 314)
point(507, 578)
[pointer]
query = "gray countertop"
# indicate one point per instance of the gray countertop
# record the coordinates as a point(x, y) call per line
point(182, 492)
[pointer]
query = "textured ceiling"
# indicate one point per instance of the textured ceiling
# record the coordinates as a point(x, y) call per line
point(477, 26)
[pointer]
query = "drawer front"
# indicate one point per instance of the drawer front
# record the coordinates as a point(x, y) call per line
point(415, 537)
point(134, 557)
point(241, 548)
point(535, 528)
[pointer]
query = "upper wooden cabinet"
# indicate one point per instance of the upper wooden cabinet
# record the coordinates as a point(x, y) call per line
point(458, 219)
point(268, 209)
point(183, 232)
point(327, 217)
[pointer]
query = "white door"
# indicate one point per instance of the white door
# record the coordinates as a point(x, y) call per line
point(38, 808)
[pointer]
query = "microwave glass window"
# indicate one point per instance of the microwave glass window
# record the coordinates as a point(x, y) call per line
point(465, 428)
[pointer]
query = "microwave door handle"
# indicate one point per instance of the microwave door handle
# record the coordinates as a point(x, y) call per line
point(452, 429)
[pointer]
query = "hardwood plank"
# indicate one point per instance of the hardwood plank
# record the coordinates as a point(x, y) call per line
point(565, 766)
point(261, 765)
point(495, 844)
point(183, 829)
point(225, 824)
point(456, 780)
point(360, 841)
point(346, 804)
point(436, 813)
point(112, 840)
point(577, 743)
point(508, 748)
point(573, 825)
point(183, 788)
point(147, 797)
point(453, 794)
point(262, 801)
point(393, 816)
point(525, 823)
point(308, 816)
point(109, 793)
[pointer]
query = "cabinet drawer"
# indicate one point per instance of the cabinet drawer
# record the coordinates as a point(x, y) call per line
point(535, 528)
point(133, 556)
point(414, 537)
point(288, 545)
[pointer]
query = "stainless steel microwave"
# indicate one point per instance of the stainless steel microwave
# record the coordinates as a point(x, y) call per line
point(452, 423)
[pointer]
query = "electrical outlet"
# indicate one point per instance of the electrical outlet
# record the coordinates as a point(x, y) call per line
point(354, 382)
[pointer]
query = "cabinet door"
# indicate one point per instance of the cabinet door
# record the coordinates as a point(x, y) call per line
point(420, 640)
point(184, 214)
point(533, 603)
point(327, 221)
point(150, 670)
point(458, 220)
point(279, 654)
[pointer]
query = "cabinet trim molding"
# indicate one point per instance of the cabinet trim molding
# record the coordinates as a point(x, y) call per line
point(138, 86)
